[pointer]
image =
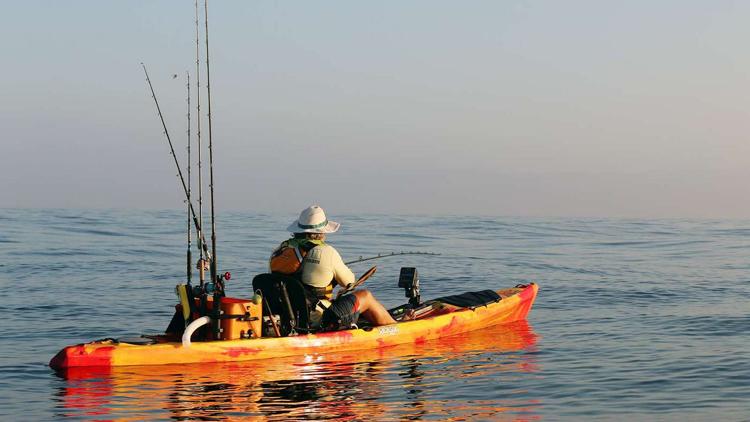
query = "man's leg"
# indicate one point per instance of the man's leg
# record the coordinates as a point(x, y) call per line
point(371, 309)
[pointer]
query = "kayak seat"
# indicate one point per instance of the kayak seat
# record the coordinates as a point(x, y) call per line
point(471, 299)
point(291, 307)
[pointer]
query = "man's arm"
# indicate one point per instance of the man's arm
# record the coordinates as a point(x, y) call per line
point(341, 273)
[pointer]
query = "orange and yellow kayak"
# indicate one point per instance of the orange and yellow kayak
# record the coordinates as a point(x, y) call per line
point(447, 321)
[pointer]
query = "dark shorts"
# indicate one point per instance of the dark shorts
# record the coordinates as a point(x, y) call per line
point(343, 312)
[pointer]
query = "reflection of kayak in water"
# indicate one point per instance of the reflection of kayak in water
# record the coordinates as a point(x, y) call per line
point(385, 383)
point(440, 318)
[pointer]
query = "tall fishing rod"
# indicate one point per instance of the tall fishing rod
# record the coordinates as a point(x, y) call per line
point(218, 293)
point(189, 233)
point(177, 163)
point(386, 255)
point(201, 270)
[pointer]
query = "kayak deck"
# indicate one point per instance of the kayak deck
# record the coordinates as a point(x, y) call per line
point(444, 320)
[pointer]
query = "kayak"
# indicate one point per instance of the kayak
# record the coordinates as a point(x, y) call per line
point(439, 318)
point(282, 388)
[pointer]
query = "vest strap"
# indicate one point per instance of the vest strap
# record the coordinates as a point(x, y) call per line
point(298, 253)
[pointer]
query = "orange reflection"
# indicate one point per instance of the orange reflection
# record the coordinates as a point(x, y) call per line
point(405, 381)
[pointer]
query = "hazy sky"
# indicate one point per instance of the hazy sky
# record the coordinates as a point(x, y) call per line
point(552, 108)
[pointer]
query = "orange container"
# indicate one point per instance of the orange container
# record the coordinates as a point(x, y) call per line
point(247, 318)
point(236, 328)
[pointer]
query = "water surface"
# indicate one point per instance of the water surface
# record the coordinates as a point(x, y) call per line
point(635, 319)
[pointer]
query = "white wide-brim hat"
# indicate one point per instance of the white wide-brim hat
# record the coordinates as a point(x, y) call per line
point(313, 220)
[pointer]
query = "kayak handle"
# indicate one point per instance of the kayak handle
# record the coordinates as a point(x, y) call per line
point(190, 329)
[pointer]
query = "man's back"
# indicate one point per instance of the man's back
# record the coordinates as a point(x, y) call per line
point(323, 264)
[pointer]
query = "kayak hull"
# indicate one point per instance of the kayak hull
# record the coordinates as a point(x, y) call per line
point(514, 306)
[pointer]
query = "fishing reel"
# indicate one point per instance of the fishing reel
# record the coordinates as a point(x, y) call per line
point(408, 279)
point(210, 288)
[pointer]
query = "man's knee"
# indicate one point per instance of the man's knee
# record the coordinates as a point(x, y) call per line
point(364, 296)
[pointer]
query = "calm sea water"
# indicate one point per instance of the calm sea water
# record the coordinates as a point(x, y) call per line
point(635, 319)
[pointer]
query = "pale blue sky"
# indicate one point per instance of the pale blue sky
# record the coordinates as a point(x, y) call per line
point(575, 108)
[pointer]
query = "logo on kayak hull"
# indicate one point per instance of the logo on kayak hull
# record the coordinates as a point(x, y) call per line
point(388, 330)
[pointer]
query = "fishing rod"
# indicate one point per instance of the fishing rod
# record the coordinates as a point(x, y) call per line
point(210, 150)
point(188, 288)
point(201, 270)
point(189, 233)
point(218, 293)
point(177, 163)
point(386, 255)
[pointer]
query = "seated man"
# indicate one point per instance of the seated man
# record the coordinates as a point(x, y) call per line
point(320, 267)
